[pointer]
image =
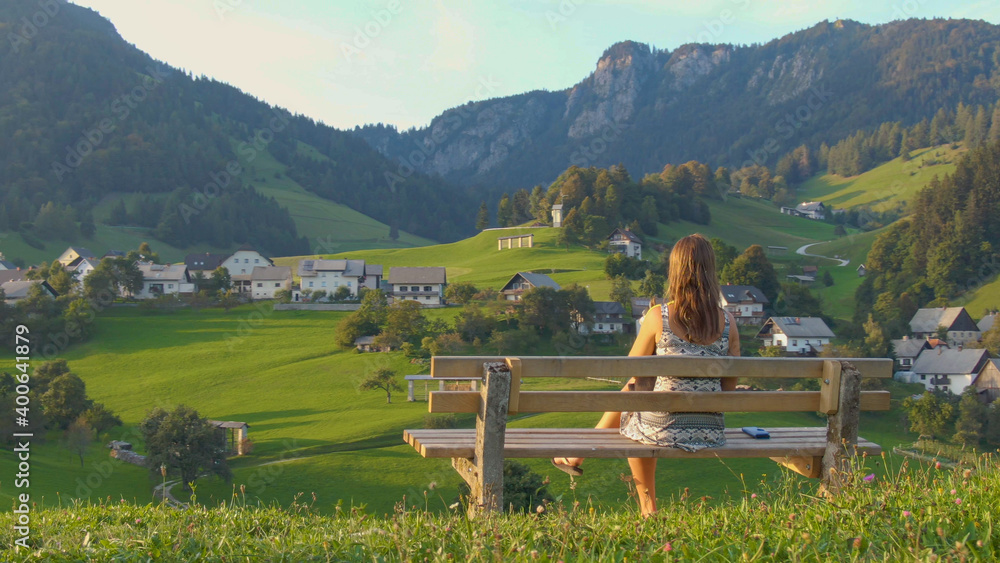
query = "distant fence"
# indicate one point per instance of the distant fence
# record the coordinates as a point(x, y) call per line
point(317, 306)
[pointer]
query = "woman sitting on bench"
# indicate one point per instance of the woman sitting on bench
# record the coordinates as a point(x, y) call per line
point(693, 323)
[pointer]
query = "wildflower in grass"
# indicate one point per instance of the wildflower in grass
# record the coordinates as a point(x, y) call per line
point(937, 465)
point(754, 495)
point(958, 501)
point(906, 514)
point(966, 474)
point(668, 547)
point(954, 492)
point(433, 485)
point(540, 509)
point(869, 478)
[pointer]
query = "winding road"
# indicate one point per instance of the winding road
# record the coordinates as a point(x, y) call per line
point(802, 251)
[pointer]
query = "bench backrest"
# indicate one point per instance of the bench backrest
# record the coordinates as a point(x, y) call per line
point(826, 400)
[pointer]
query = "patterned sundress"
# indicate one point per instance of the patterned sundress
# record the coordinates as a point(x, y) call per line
point(689, 431)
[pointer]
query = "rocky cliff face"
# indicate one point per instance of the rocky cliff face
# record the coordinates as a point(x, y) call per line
point(714, 103)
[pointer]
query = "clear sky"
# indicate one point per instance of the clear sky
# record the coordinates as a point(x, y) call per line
point(351, 62)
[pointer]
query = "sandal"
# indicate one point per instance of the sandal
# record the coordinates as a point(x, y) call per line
point(571, 470)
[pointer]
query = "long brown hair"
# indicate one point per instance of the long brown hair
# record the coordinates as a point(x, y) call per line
point(694, 289)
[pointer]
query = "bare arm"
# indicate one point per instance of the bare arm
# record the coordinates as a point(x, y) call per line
point(649, 332)
point(729, 383)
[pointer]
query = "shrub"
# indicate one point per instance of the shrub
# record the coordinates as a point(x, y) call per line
point(436, 421)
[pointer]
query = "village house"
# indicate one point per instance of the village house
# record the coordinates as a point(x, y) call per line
point(624, 241)
point(907, 349)
point(84, 267)
point(425, 285)
point(523, 281)
point(804, 336)
point(268, 280)
point(946, 369)
point(241, 264)
point(609, 318)
point(73, 255)
point(987, 382)
point(808, 209)
point(5, 265)
point(204, 263)
point(745, 302)
point(163, 279)
point(329, 275)
point(862, 270)
point(960, 326)
point(19, 289)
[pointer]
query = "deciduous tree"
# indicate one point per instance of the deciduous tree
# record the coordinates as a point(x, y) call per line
point(185, 443)
point(384, 379)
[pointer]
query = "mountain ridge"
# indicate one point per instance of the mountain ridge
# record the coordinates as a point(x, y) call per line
point(717, 104)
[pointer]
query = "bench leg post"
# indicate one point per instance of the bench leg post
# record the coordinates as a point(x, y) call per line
point(486, 467)
point(842, 432)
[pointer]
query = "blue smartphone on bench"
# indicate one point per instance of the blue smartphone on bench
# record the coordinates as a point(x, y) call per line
point(755, 432)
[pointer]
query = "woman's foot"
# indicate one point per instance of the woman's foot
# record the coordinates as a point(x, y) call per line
point(569, 465)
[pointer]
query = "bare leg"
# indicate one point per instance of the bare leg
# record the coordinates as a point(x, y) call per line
point(644, 477)
point(609, 420)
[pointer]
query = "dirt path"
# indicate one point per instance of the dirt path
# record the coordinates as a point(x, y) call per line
point(802, 251)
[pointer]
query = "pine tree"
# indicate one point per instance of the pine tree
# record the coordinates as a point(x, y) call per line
point(994, 133)
point(505, 212)
point(483, 219)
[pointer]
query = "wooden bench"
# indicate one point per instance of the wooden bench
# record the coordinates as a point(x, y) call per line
point(478, 454)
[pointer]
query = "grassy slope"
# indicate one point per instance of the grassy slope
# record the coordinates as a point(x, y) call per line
point(738, 221)
point(478, 261)
point(884, 187)
point(913, 513)
point(986, 297)
point(891, 184)
point(838, 299)
point(329, 226)
point(743, 222)
point(106, 238)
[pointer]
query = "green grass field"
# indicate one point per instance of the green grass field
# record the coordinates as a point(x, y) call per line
point(742, 222)
point(106, 238)
point(883, 187)
point(986, 297)
point(330, 227)
point(838, 299)
point(314, 432)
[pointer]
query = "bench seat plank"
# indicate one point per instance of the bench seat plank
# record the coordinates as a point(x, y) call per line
point(675, 401)
point(650, 366)
point(609, 443)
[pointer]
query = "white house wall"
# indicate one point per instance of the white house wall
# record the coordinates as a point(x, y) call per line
point(243, 262)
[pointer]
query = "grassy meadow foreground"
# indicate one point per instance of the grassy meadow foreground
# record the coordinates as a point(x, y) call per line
point(913, 512)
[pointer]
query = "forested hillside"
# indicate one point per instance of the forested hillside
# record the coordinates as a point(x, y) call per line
point(84, 114)
point(948, 247)
point(722, 105)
